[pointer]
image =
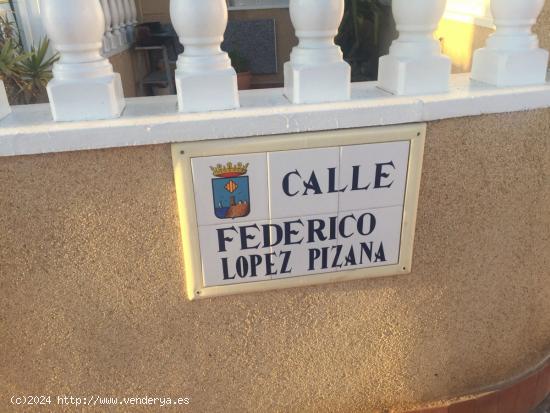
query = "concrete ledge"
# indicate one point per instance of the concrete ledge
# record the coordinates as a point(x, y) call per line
point(146, 121)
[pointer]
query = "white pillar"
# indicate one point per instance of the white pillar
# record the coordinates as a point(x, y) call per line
point(84, 86)
point(134, 12)
point(512, 56)
point(415, 64)
point(4, 104)
point(108, 36)
point(122, 17)
point(205, 79)
point(128, 21)
point(117, 32)
point(317, 72)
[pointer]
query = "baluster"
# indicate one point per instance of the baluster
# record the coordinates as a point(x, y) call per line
point(512, 56)
point(415, 64)
point(4, 104)
point(205, 80)
point(108, 36)
point(134, 12)
point(117, 33)
point(128, 21)
point(133, 18)
point(84, 86)
point(316, 71)
point(122, 17)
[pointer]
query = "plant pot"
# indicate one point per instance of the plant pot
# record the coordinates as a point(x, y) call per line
point(244, 80)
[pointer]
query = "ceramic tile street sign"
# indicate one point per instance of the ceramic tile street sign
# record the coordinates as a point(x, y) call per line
point(271, 213)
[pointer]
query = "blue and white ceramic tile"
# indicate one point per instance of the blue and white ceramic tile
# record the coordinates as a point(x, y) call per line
point(234, 253)
point(369, 238)
point(305, 241)
point(358, 174)
point(303, 182)
point(231, 188)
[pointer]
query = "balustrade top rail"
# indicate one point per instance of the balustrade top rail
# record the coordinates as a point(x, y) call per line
point(155, 120)
point(415, 74)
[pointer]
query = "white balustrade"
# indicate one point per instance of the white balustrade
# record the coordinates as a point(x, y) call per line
point(134, 16)
point(122, 17)
point(512, 56)
point(119, 35)
point(415, 64)
point(134, 12)
point(128, 21)
point(317, 72)
point(4, 104)
point(108, 37)
point(84, 86)
point(205, 80)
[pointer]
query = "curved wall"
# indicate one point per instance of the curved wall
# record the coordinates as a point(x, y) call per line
point(92, 301)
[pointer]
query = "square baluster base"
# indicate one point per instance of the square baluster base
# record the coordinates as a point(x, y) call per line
point(86, 99)
point(5, 109)
point(502, 69)
point(317, 84)
point(205, 92)
point(427, 75)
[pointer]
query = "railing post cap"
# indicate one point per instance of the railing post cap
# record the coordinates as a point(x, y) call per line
point(512, 56)
point(317, 60)
point(84, 86)
point(415, 64)
point(205, 80)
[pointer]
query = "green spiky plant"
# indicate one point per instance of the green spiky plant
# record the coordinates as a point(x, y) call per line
point(25, 74)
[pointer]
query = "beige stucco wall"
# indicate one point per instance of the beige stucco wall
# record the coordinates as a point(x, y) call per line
point(92, 301)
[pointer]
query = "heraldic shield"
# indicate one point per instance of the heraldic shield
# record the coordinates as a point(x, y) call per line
point(231, 190)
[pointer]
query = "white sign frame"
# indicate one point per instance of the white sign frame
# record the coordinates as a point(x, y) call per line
point(183, 153)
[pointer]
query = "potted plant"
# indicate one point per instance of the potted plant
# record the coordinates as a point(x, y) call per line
point(25, 74)
point(242, 67)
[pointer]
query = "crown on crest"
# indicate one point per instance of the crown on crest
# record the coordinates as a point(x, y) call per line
point(229, 170)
